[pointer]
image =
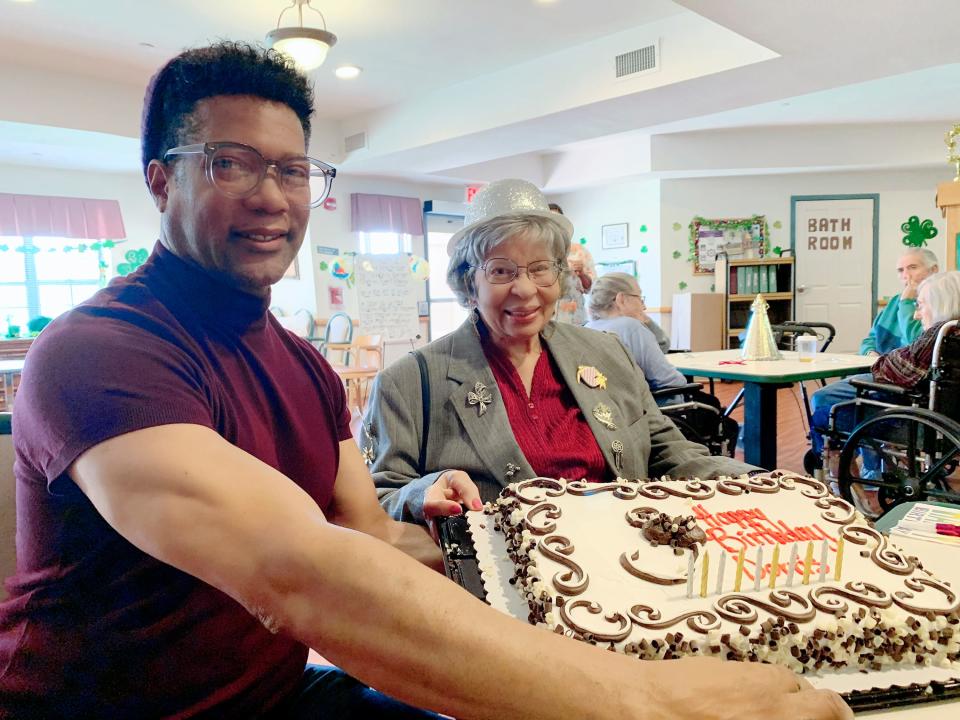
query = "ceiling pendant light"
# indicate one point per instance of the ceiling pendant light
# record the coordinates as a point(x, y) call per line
point(307, 47)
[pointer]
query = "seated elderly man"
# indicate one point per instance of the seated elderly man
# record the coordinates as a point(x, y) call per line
point(616, 305)
point(893, 328)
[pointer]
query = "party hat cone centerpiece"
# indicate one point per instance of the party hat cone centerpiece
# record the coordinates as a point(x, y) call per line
point(759, 343)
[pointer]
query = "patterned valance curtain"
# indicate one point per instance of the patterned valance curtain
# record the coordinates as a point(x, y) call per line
point(386, 213)
point(47, 216)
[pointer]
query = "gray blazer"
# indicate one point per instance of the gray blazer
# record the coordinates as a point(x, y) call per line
point(460, 438)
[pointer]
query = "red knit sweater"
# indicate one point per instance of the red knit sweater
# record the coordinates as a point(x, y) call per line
point(548, 425)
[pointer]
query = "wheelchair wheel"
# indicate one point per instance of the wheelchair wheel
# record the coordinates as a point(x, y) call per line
point(914, 452)
point(812, 462)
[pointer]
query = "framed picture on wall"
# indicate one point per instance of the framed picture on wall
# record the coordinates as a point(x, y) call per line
point(743, 237)
point(625, 266)
point(614, 236)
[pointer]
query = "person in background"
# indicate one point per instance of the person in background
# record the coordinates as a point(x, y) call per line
point(616, 305)
point(576, 281)
point(938, 302)
point(192, 513)
point(895, 327)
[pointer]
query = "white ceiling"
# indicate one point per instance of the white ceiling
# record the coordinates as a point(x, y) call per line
point(456, 91)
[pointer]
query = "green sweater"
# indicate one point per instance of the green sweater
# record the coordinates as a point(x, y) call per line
point(893, 328)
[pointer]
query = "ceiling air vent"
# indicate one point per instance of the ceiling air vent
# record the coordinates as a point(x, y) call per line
point(357, 141)
point(637, 61)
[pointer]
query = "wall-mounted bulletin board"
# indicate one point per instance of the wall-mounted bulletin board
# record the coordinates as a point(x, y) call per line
point(738, 237)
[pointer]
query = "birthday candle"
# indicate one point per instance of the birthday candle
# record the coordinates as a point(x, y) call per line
point(774, 566)
point(690, 574)
point(839, 562)
point(704, 573)
point(793, 565)
point(807, 563)
point(759, 568)
point(723, 563)
point(823, 562)
point(739, 577)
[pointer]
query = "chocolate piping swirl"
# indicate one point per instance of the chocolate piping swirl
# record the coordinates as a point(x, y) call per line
point(575, 580)
point(661, 491)
point(623, 625)
point(917, 585)
point(650, 577)
point(830, 503)
point(737, 608)
point(731, 487)
point(817, 489)
point(552, 487)
point(862, 593)
point(637, 517)
point(700, 621)
point(620, 490)
point(888, 558)
point(551, 511)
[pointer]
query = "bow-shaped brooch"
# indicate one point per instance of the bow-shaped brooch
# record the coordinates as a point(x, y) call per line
point(479, 396)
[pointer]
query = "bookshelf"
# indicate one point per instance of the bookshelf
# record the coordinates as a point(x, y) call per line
point(741, 280)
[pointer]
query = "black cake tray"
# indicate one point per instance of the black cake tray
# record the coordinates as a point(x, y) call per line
point(460, 564)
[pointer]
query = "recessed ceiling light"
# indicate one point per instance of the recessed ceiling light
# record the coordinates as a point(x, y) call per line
point(347, 72)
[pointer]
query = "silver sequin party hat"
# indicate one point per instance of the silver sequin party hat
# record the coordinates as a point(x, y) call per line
point(507, 197)
point(759, 343)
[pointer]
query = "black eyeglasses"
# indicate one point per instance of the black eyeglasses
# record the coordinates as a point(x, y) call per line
point(237, 171)
point(500, 271)
point(643, 299)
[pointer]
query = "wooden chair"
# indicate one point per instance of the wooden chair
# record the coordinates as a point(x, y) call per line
point(337, 337)
point(364, 360)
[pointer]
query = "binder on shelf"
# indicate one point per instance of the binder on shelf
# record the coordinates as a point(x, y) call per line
point(762, 282)
point(733, 281)
point(772, 278)
point(742, 281)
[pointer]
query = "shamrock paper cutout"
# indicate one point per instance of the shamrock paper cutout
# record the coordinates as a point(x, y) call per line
point(676, 254)
point(643, 248)
point(677, 226)
point(777, 224)
point(643, 228)
point(917, 233)
point(682, 285)
point(134, 259)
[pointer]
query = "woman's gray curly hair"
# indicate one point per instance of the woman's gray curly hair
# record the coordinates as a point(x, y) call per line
point(604, 292)
point(474, 246)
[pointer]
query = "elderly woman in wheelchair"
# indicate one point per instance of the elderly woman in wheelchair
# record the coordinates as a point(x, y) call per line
point(899, 439)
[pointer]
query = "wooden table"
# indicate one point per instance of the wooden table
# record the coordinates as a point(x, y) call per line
point(761, 379)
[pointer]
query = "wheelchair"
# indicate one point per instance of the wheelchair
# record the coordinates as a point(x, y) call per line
point(700, 418)
point(912, 436)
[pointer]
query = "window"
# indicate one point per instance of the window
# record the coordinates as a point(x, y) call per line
point(385, 243)
point(46, 276)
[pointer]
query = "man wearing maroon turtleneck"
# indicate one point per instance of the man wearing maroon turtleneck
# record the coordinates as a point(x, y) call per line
point(192, 513)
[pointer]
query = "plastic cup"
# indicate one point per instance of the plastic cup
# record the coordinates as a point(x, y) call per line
point(807, 348)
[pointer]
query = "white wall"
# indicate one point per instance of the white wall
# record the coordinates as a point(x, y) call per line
point(636, 203)
point(902, 194)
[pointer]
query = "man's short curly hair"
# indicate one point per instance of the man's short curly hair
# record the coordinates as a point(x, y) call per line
point(226, 68)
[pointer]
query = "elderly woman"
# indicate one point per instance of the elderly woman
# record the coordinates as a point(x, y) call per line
point(512, 395)
point(616, 305)
point(938, 301)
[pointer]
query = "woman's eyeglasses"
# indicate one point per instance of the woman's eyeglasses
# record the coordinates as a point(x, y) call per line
point(500, 271)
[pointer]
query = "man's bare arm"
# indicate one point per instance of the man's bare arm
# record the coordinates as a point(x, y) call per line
point(190, 499)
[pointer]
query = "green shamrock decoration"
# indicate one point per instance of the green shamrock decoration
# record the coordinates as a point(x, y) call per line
point(677, 226)
point(777, 224)
point(134, 259)
point(677, 254)
point(583, 241)
point(323, 265)
point(643, 248)
point(917, 233)
point(682, 285)
point(713, 288)
point(643, 228)
point(778, 251)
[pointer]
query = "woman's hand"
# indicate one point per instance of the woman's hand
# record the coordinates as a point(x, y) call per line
point(707, 688)
point(451, 490)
